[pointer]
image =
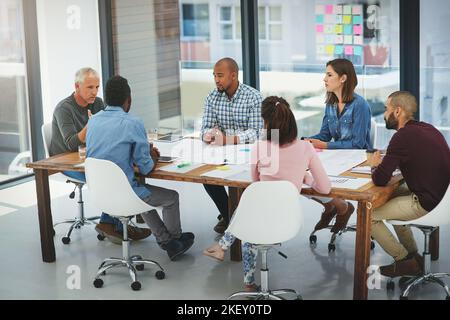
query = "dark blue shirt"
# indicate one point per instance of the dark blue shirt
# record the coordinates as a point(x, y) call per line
point(349, 131)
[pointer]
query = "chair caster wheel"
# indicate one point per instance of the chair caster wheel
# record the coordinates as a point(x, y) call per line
point(160, 275)
point(100, 237)
point(140, 267)
point(299, 297)
point(136, 257)
point(390, 285)
point(331, 247)
point(98, 283)
point(403, 298)
point(65, 240)
point(313, 239)
point(136, 286)
point(372, 245)
point(77, 227)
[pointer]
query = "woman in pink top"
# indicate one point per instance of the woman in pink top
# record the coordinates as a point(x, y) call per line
point(278, 156)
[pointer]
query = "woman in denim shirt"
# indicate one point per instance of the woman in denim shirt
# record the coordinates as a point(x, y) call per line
point(345, 125)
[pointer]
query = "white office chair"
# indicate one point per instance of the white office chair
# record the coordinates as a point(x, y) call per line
point(80, 220)
point(112, 193)
point(437, 217)
point(269, 213)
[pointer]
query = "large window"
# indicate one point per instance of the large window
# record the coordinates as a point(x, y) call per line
point(14, 121)
point(435, 64)
point(199, 54)
point(314, 32)
point(146, 40)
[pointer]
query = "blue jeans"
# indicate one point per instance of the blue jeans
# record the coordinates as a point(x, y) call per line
point(105, 218)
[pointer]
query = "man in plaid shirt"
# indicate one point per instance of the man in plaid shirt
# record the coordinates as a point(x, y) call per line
point(232, 115)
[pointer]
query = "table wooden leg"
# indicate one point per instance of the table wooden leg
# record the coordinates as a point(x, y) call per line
point(234, 195)
point(362, 250)
point(45, 215)
point(434, 245)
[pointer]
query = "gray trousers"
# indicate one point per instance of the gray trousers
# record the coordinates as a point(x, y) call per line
point(170, 226)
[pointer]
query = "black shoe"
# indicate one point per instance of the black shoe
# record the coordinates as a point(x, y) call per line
point(175, 247)
point(221, 226)
point(186, 236)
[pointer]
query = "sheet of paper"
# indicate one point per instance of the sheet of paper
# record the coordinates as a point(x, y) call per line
point(226, 171)
point(80, 165)
point(336, 162)
point(348, 182)
point(196, 151)
point(244, 176)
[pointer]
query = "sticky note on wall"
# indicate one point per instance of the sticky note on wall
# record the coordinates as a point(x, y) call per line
point(319, 28)
point(347, 29)
point(338, 9)
point(320, 49)
point(329, 9)
point(319, 18)
point(329, 29)
point(347, 19)
point(339, 39)
point(347, 10)
point(357, 51)
point(348, 39)
point(356, 9)
point(357, 29)
point(339, 50)
point(338, 29)
point(348, 50)
point(357, 20)
point(358, 40)
point(329, 49)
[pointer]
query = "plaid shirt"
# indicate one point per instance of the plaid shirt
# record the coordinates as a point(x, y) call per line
point(239, 116)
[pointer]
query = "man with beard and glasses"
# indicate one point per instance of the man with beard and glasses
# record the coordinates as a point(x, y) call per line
point(421, 153)
point(232, 115)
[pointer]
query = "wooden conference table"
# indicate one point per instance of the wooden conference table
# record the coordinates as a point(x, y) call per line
point(368, 197)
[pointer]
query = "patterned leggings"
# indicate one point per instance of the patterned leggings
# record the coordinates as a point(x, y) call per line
point(249, 256)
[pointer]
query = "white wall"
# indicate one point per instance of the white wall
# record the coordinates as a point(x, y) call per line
point(69, 39)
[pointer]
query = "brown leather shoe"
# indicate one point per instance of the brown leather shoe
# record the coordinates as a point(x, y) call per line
point(325, 219)
point(405, 267)
point(107, 230)
point(221, 226)
point(342, 219)
point(135, 233)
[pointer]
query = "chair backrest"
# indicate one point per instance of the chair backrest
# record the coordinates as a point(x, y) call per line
point(268, 212)
point(46, 131)
point(439, 216)
point(110, 190)
point(373, 132)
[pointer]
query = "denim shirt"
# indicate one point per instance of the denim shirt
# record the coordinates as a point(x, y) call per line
point(351, 130)
point(120, 137)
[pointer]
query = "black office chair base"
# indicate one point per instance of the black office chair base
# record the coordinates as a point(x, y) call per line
point(332, 243)
point(132, 263)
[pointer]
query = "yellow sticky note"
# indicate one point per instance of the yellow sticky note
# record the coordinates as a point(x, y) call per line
point(338, 29)
point(329, 49)
point(347, 19)
point(223, 168)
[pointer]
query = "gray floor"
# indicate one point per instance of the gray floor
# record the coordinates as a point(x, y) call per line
point(313, 272)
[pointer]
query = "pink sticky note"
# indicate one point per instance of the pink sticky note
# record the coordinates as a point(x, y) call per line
point(329, 9)
point(348, 50)
point(319, 28)
point(357, 29)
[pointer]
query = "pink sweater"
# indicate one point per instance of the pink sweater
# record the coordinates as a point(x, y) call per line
point(269, 162)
